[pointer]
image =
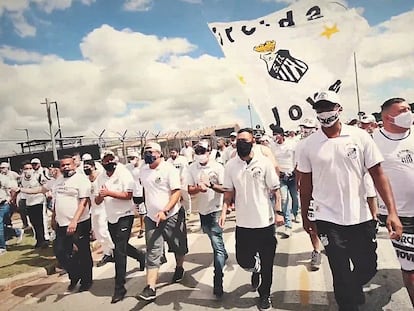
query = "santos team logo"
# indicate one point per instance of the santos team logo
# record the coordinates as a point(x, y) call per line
point(257, 172)
point(351, 151)
point(280, 64)
point(406, 156)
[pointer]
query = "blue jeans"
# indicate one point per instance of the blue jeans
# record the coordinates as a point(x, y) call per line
point(210, 226)
point(288, 186)
point(4, 213)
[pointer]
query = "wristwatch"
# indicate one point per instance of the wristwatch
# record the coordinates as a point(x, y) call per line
point(280, 213)
point(211, 185)
point(165, 213)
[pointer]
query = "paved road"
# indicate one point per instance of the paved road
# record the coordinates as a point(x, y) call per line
point(295, 287)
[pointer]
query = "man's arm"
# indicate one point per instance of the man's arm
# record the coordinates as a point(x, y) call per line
point(35, 190)
point(83, 203)
point(174, 198)
point(383, 187)
point(279, 219)
point(305, 194)
point(227, 202)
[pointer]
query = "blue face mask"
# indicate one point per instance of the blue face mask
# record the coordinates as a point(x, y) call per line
point(149, 158)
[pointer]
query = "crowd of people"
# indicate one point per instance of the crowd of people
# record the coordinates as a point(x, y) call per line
point(340, 179)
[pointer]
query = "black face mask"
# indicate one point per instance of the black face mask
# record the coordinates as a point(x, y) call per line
point(243, 148)
point(109, 167)
point(67, 174)
point(87, 171)
point(149, 158)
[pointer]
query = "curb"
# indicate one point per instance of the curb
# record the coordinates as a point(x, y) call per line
point(23, 278)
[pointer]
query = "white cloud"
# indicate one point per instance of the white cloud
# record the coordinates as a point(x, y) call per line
point(126, 80)
point(137, 5)
point(16, 9)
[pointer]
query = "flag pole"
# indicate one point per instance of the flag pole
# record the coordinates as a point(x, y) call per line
point(357, 88)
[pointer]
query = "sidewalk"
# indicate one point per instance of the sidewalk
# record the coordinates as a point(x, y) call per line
point(50, 268)
point(42, 272)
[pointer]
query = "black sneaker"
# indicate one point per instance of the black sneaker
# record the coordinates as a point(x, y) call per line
point(72, 286)
point(178, 275)
point(105, 259)
point(118, 295)
point(265, 303)
point(255, 280)
point(85, 287)
point(148, 294)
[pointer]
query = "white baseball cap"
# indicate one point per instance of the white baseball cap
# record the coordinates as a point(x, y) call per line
point(368, 118)
point(35, 161)
point(153, 146)
point(309, 122)
point(327, 96)
point(86, 157)
point(133, 154)
point(233, 134)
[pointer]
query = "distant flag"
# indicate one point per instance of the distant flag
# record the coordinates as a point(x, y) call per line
point(284, 58)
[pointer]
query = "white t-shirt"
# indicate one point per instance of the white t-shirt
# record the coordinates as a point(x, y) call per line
point(188, 153)
point(138, 189)
point(95, 208)
point(67, 193)
point(398, 152)
point(32, 182)
point(120, 181)
point(285, 155)
point(338, 166)
point(181, 164)
point(213, 172)
point(158, 184)
point(5, 185)
point(251, 183)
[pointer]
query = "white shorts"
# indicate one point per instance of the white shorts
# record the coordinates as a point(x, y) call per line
point(404, 248)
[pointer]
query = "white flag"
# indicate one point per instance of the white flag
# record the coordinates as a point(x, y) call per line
point(284, 58)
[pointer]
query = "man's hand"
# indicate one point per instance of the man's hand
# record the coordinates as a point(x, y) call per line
point(394, 226)
point(103, 192)
point(279, 220)
point(71, 228)
point(160, 216)
point(222, 220)
point(309, 226)
point(202, 186)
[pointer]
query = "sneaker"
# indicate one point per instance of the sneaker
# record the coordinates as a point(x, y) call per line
point(20, 236)
point(288, 232)
point(265, 303)
point(140, 234)
point(105, 259)
point(315, 260)
point(85, 287)
point(3, 251)
point(148, 294)
point(255, 280)
point(71, 286)
point(118, 295)
point(178, 275)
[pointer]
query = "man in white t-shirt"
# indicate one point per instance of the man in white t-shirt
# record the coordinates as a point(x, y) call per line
point(115, 188)
point(72, 223)
point(284, 152)
point(249, 177)
point(165, 220)
point(396, 143)
point(332, 163)
point(205, 179)
point(188, 152)
point(181, 163)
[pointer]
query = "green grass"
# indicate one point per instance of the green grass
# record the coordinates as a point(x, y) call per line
point(21, 258)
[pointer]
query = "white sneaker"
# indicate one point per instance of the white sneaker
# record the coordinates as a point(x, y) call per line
point(3, 251)
point(288, 232)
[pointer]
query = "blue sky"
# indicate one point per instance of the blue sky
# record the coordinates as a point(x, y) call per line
point(61, 49)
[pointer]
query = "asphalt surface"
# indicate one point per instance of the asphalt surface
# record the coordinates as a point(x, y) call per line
point(295, 287)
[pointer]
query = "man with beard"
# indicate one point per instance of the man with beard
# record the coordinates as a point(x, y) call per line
point(115, 187)
point(249, 177)
point(332, 163)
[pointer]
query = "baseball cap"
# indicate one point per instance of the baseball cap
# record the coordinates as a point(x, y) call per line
point(368, 118)
point(308, 122)
point(86, 156)
point(133, 154)
point(35, 161)
point(233, 134)
point(278, 130)
point(4, 165)
point(326, 96)
point(54, 164)
point(152, 146)
point(106, 153)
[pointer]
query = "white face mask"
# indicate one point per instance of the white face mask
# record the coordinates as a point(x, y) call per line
point(201, 158)
point(404, 120)
point(328, 118)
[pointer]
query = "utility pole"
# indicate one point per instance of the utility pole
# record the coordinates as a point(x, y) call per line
point(357, 88)
point(52, 136)
point(250, 113)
